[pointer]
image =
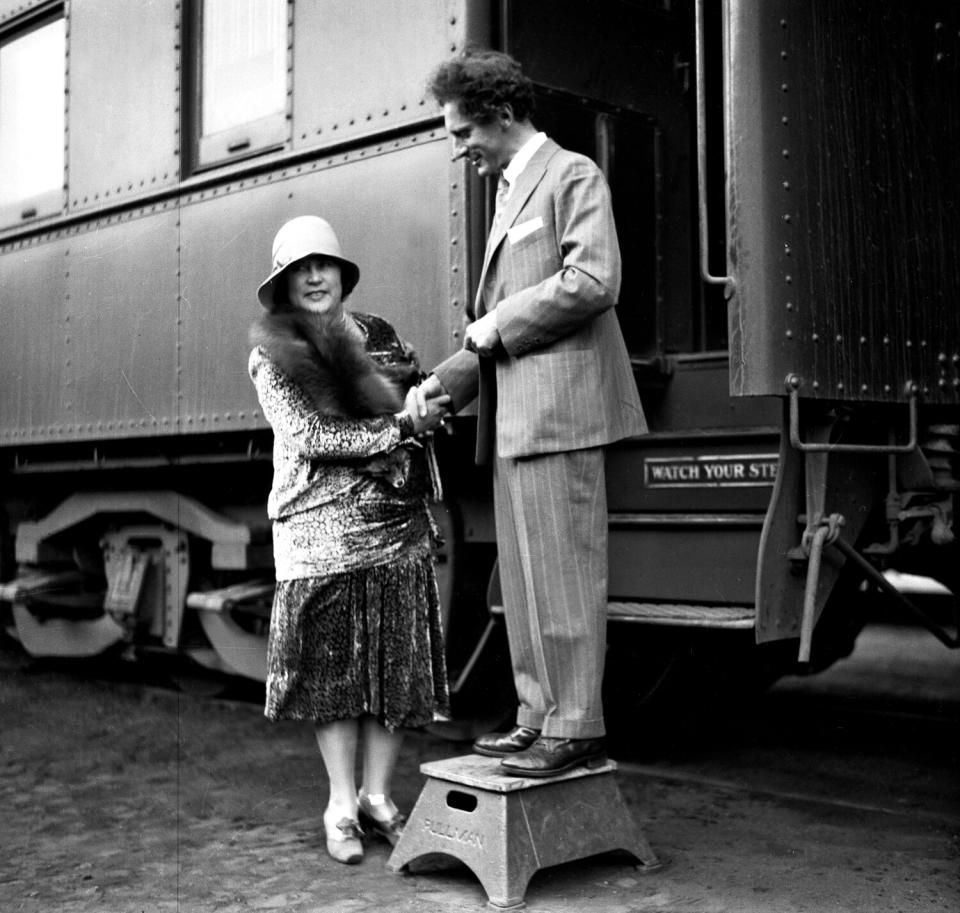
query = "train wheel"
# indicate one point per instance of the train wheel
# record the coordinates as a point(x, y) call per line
point(239, 651)
point(65, 637)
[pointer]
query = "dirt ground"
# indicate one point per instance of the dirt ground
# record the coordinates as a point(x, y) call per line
point(120, 797)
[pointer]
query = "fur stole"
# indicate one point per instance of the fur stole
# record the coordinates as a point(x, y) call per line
point(332, 367)
point(340, 378)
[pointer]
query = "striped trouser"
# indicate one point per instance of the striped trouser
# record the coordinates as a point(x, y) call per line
point(551, 519)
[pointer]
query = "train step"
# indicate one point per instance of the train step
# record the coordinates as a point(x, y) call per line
point(681, 615)
point(675, 614)
point(652, 613)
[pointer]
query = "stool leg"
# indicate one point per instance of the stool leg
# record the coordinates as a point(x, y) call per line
point(506, 871)
point(506, 891)
point(638, 847)
point(417, 839)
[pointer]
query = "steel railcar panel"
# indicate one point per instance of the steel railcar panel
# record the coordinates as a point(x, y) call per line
point(695, 399)
point(391, 213)
point(34, 341)
point(844, 121)
point(123, 302)
point(357, 86)
point(225, 255)
point(670, 562)
point(96, 309)
point(12, 9)
point(123, 77)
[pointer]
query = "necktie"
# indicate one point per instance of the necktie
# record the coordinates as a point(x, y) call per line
point(503, 188)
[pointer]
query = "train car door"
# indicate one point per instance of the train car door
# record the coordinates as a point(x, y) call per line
point(843, 226)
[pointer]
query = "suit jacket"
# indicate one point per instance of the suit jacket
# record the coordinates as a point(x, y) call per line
point(562, 378)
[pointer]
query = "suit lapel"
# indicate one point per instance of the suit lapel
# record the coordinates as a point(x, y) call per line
point(528, 180)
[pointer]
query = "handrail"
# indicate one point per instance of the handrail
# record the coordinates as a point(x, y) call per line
point(793, 386)
point(702, 157)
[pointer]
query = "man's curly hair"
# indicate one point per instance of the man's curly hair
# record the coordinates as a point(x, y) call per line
point(481, 82)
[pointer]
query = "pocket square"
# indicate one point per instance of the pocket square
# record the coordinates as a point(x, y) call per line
point(519, 232)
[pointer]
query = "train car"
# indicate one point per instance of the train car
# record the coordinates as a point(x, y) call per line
point(782, 179)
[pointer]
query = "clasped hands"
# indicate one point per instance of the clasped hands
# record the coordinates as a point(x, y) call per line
point(428, 405)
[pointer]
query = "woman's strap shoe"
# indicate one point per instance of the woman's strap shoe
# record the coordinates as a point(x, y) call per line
point(344, 841)
point(390, 822)
point(501, 744)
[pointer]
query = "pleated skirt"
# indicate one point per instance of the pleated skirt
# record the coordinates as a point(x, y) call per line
point(367, 641)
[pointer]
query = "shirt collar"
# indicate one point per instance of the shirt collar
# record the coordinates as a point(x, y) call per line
point(522, 158)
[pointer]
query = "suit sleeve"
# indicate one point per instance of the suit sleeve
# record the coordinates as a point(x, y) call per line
point(587, 281)
point(460, 376)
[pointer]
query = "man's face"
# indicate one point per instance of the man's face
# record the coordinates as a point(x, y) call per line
point(484, 145)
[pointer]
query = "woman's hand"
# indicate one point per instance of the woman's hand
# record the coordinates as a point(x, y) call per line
point(429, 388)
point(427, 412)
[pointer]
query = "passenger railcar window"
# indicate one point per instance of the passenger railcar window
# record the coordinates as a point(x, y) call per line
point(243, 78)
point(32, 82)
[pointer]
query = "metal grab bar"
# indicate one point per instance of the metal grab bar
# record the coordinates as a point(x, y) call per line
point(702, 157)
point(793, 385)
point(810, 592)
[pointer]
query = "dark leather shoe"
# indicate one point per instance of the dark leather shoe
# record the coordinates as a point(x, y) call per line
point(547, 757)
point(500, 744)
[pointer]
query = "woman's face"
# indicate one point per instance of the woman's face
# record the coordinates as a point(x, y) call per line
point(313, 284)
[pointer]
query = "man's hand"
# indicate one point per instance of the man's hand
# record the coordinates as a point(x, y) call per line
point(482, 336)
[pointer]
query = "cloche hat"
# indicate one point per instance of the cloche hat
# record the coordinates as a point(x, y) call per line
point(299, 238)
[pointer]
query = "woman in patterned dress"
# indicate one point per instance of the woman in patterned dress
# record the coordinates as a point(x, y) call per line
point(355, 641)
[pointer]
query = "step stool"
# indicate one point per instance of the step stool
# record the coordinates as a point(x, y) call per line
point(506, 828)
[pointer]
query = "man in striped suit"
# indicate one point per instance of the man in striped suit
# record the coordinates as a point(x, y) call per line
point(546, 356)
